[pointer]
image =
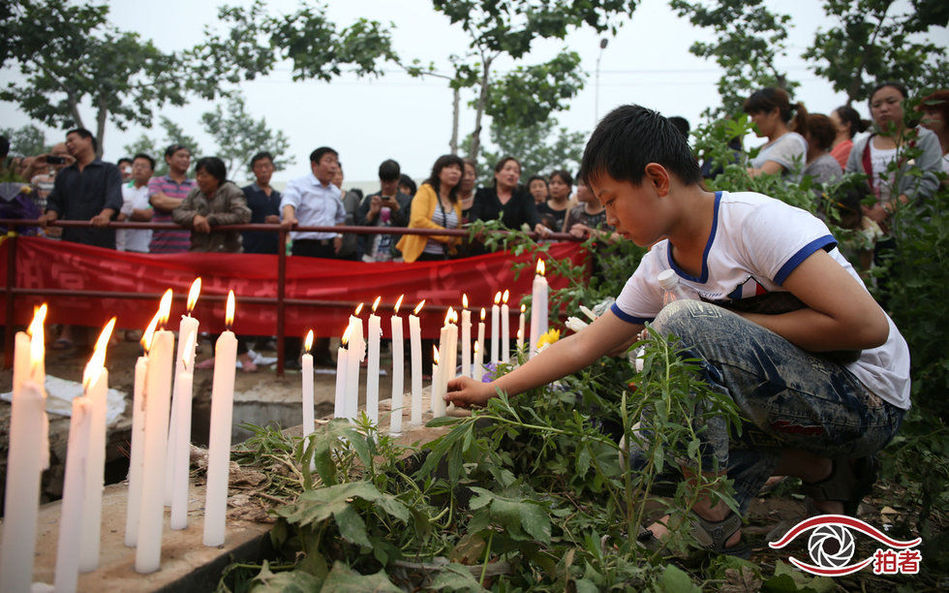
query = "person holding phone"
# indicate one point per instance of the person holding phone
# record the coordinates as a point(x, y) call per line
point(387, 207)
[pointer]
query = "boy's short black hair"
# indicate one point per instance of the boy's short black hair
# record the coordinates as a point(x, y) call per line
point(124, 159)
point(629, 138)
point(213, 166)
point(389, 170)
point(409, 183)
point(142, 155)
point(681, 124)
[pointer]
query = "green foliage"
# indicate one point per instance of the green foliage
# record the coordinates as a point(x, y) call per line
point(26, 141)
point(239, 136)
point(254, 40)
point(749, 40)
point(172, 133)
point(540, 148)
point(70, 55)
point(873, 41)
point(526, 96)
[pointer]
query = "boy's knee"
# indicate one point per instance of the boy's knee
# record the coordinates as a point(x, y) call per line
point(685, 315)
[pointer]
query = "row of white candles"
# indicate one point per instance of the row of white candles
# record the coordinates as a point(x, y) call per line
point(161, 425)
point(353, 350)
point(160, 449)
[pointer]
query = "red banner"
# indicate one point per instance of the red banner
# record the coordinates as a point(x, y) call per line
point(45, 264)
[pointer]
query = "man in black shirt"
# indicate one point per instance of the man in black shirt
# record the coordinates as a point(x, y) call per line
point(264, 204)
point(89, 189)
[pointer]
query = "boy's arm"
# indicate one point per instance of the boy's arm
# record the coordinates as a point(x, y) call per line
point(560, 359)
point(840, 313)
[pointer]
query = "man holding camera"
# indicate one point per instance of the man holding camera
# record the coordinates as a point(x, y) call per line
point(387, 207)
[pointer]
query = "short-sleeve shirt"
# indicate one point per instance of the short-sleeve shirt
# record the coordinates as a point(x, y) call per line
point(755, 244)
point(165, 241)
point(579, 215)
point(261, 206)
point(789, 151)
point(824, 169)
point(134, 198)
point(315, 204)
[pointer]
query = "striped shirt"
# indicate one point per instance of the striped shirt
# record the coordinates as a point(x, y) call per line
point(164, 241)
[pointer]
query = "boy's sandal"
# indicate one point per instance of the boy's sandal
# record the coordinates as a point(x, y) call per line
point(710, 536)
point(849, 481)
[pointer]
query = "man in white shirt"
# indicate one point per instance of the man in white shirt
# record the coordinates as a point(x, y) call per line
point(312, 200)
point(135, 206)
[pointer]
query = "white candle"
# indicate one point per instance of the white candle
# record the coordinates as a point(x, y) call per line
point(505, 329)
point(135, 454)
point(495, 328)
point(415, 345)
point(179, 446)
point(306, 364)
point(157, 404)
point(357, 351)
point(95, 388)
point(520, 329)
point(219, 439)
point(374, 335)
point(398, 368)
point(342, 363)
point(440, 379)
point(27, 457)
point(539, 312)
point(478, 361)
point(68, 548)
point(182, 390)
point(465, 338)
point(436, 380)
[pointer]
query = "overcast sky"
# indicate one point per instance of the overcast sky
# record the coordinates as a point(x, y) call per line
point(395, 116)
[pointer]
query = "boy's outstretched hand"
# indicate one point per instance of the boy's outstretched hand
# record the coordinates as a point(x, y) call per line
point(465, 392)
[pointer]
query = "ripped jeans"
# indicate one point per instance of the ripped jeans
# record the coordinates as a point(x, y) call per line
point(787, 398)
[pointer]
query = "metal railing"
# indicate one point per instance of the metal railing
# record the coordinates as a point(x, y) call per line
point(280, 301)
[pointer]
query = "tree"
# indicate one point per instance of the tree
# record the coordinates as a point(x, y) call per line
point(750, 38)
point(498, 28)
point(540, 148)
point(239, 137)
point(873, 41)
point(253, 42)
point(71, 57)
point(26, 141)
point(173, 134)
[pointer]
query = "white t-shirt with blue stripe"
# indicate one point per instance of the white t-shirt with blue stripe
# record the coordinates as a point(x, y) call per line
point(755, 244)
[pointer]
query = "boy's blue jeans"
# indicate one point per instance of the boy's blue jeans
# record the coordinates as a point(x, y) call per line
point(788, 398)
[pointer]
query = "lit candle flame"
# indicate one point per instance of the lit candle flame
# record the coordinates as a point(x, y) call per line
point(188, 351)
point(193, 294)
point(477, 347)
point(164, 307)
point(541, 268)
point(418, 307)
point(37, 339)
point(358, 310)
point(449, 315)
point(454, 316)
point(497, 298)
point(464, 300)
point(309, 341)
point(375, 303)
point(398, 304)
point(345, 339)
point(520, 334)
point(150, 332)
point(96, 363)
point(482, 313)
point(229, 310)
point(523, 308)
point(435, 354)
point(506, 296)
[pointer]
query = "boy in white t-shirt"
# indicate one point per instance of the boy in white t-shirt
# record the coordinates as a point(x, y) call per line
point(805, 414)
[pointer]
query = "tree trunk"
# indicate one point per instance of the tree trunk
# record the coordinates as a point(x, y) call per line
point(101, 116)
point(456, 108)
point(482, 101)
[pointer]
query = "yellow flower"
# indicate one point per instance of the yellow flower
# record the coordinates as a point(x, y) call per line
point(548, 338)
